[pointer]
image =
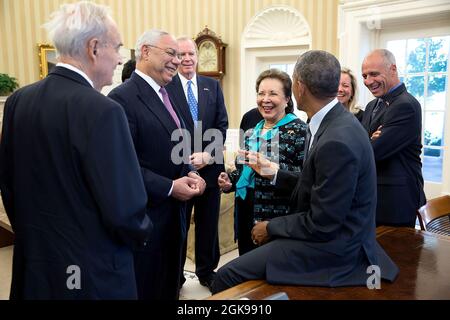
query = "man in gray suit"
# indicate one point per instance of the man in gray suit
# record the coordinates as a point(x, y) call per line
point(329, 237)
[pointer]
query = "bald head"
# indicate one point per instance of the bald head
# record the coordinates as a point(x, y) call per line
point(384, 54)
point(380, 72)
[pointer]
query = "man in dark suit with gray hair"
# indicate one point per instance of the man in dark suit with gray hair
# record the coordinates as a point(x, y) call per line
point(394, 123)
point(329, 237)
point(69, 174)
point(153, 119)
point(201, 103)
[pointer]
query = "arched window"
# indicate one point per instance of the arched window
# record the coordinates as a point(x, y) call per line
point(274, 38)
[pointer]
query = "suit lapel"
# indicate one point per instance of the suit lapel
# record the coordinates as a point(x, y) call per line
point(177, 94)
point(153, 103)
point(377, 120)
point(203, 94)
point(332, 114)
point(329, 117)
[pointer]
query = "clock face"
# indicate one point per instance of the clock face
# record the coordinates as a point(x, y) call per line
point(207, 57)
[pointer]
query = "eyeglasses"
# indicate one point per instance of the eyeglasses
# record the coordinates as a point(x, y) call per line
point(170, 52)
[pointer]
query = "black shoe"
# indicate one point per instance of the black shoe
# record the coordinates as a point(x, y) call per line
point(207, 282)
point(182, 281)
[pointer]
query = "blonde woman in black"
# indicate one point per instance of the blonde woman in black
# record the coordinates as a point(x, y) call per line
point(347, 93)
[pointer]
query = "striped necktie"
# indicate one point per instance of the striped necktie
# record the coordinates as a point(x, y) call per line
point(193, 107)
point(380, 105)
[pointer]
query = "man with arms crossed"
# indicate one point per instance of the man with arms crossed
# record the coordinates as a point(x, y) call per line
point(394, 123)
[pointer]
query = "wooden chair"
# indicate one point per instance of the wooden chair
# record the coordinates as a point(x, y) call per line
point(434, 216)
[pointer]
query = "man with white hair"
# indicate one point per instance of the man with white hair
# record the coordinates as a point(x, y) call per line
point(201, 102)
point(153, 118)
point(69, 175)
point(394, 123)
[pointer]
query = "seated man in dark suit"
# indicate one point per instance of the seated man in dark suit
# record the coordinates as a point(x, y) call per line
point(329, 239)
point(69, 175)
point(394, 123)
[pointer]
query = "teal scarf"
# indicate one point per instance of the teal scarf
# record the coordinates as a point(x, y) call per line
point(247, 178)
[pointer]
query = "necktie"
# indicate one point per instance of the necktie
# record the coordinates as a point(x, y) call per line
point(380, 104)
point(169, 107)
point(192, 103)
point(307, 143)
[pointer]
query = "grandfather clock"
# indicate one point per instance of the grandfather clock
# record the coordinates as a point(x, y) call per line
point(211, 54)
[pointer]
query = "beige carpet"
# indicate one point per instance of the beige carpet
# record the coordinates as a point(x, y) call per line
point(5, 271)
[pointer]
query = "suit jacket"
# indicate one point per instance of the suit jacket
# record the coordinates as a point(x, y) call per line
point(72, 189)
point(397, 156)
point(329, 239)
point(212, 113)
point(151, 128)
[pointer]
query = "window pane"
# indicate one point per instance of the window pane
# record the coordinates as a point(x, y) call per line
point(436, 92)
point(415, 86)
point(433, 131)
point(439, 47)
point(416, 54)
point(281, 67)
point(398, 47)
point(432, 166)
point(290, 69)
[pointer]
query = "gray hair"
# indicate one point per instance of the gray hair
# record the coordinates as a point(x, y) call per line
point(186, 38)
point(150, 37)
point(388, 57)
point(320, 71)
point(73, 25)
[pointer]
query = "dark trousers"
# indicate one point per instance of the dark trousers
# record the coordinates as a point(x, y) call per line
point(158, 268)
point(250, 266)
point(244, 216)
point(206, 219)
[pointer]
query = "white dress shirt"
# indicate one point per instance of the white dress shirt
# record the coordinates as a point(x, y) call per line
point(75, 69)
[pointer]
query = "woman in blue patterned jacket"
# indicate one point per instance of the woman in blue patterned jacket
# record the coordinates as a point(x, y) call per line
point(280, 138)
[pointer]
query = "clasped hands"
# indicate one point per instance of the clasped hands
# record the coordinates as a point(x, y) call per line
point(224, 182)
point(187, 187)
point(200, 159)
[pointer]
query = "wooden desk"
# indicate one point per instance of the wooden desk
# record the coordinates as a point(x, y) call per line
point(423, 259)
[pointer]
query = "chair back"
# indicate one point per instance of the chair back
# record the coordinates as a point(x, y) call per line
point(434, 216)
